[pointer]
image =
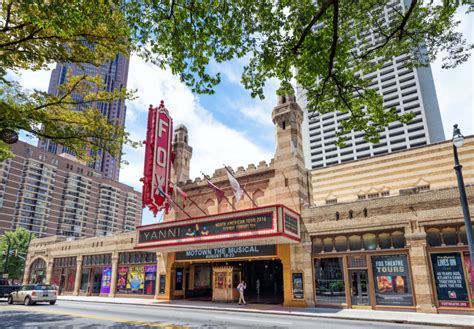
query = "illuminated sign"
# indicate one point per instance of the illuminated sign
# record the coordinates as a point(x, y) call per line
point(157, 166)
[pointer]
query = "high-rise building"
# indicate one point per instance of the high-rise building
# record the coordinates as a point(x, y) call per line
point(406, 89)
point(115, 75)
point(52, 194)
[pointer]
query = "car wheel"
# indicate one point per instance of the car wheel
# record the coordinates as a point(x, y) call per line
point(27, 301)
point(52, 302)
point(10, 300)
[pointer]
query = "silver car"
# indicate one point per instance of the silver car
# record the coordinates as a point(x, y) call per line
point(30, 294)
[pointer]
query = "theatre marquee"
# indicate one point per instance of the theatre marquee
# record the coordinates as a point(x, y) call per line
point(259, 226)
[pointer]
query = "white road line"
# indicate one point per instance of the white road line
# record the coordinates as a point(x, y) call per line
point(240, 319)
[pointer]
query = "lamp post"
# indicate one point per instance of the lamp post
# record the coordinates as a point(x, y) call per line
point(458, 141)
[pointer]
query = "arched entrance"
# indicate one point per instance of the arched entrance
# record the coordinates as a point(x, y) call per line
point(37, 271)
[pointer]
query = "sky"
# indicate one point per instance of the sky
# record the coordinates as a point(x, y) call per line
point(230, 127)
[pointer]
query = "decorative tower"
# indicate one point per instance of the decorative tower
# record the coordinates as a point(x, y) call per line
point(182, 154)
point(291, 179)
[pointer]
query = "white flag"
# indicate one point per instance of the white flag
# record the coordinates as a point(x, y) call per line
point(235, 186)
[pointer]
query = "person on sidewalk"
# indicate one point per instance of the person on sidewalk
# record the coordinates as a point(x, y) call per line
point(241, 288)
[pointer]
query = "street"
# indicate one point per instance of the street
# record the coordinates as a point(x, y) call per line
point(99, 315)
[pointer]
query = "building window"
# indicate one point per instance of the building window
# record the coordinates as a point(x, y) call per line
point(373, 195)
point(422, 188)
point(385, 193)
point(361, 197)
point(351, 214)
point(337, 215)
point(331, 201)
point(330, 288)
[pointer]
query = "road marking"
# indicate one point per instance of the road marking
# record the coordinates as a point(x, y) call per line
point(240, 319)
point(95, 317)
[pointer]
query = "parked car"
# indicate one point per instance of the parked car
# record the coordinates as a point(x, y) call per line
point(6, 289)
point(30, 294)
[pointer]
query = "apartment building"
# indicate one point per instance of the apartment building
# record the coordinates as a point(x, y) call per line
point(52, 194)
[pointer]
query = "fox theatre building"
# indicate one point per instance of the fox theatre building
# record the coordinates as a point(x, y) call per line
point(376, 233)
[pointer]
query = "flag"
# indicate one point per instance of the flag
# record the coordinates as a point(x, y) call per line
point(182, 194)
point(219, 193)
point(165, 195)
point(235, 186)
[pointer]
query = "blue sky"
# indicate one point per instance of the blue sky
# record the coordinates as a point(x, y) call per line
point(232, 128)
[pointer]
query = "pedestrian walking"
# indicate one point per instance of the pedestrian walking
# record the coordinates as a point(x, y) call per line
point(241, 288)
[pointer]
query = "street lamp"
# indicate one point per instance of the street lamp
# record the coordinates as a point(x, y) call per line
point(458, 141)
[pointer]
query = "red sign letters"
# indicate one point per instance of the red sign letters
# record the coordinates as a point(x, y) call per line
point(157, 167)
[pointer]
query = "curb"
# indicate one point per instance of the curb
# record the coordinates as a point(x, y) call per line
point(301, 314)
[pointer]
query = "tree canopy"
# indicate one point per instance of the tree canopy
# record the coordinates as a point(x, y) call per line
point(324, 46)
point(19, 242)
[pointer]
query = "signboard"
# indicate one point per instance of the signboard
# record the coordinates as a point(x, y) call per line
point(106, 278)
point(297, 279)
point(449, 278)
point(291, 224)
point(392, 280)
point(208, 229)
point(227, 252)
point(157, 164)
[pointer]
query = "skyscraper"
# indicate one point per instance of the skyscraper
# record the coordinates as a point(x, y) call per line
point(115, 75)
point(406, 89)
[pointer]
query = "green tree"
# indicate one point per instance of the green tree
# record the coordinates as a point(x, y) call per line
point(35, 34)
point(19, 242)
point(309, 42)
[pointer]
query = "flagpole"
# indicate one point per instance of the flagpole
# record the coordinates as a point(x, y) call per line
point(226, 199)
point(176, 204)
point(243, 189)
point(193, 202)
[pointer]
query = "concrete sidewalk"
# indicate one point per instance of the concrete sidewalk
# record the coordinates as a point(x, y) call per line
point(348, 314)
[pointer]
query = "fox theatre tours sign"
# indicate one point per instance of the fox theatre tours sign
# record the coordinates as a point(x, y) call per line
point(157, 166)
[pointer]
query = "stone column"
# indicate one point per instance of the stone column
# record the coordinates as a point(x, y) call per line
point(26, 271)
point(420, 272)
point(77, 281)
point(113, 279)
point(49, 271)
point(159, 263)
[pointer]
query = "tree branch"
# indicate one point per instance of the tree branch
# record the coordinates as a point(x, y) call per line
point(335, 21)
point(400, 28)
point(313, 21)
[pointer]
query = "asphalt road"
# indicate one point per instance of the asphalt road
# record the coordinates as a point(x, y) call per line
point(68, 314)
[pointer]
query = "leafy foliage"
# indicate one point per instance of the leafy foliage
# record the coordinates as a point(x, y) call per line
point(19, 241)
point(324, 46)
point(35, 34)
point(316, 44)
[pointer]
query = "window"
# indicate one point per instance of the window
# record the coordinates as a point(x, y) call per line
point(329, 277)
point(331, 201)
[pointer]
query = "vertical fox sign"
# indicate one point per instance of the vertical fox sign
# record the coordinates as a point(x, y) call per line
point(157, 166)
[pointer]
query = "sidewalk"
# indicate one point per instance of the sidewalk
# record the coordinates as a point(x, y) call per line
point(347, 314)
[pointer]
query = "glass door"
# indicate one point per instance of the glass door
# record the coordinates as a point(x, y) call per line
point(359, 288)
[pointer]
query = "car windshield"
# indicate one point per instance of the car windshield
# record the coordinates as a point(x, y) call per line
point(43, 287)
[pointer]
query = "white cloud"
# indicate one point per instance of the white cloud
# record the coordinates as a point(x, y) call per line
point(32, 79)
point(213, 142)
point(455, 87)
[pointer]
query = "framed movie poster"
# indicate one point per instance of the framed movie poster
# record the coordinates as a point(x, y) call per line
point(106, 278)
point(162, 284)
point(297, 279)
point(451, 287)
point(392, 280)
